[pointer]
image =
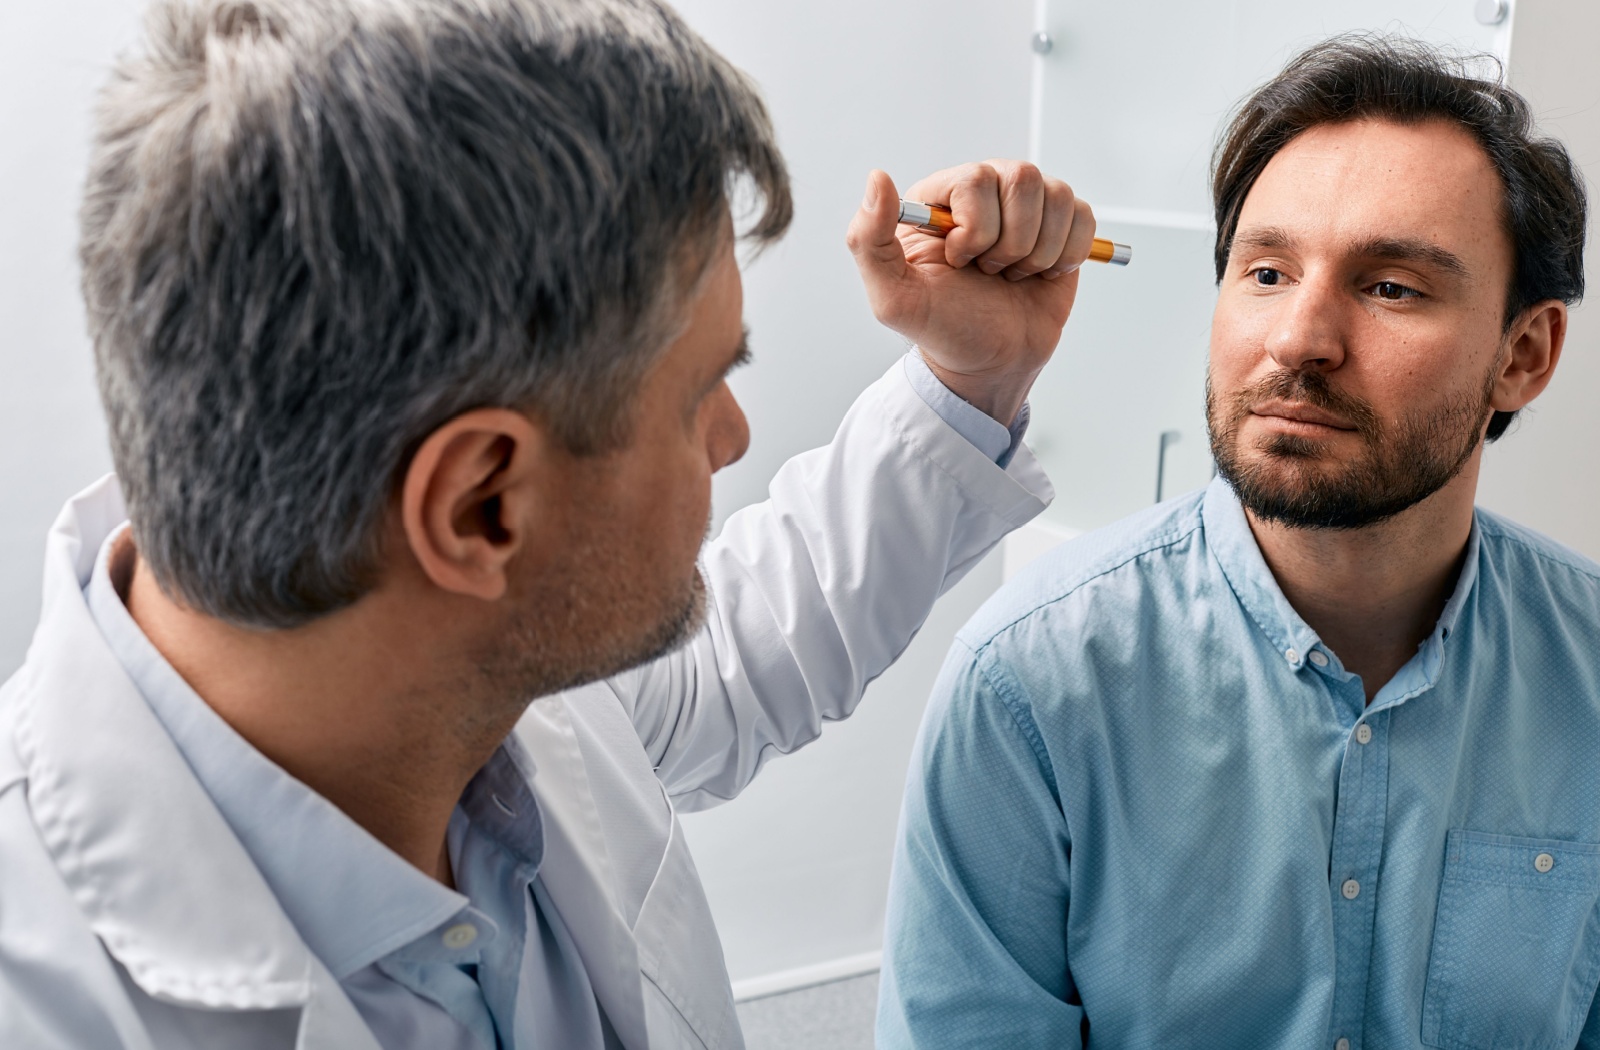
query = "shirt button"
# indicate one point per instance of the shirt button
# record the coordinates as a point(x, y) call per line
point(1363, 733)
point(1343, 1044)
point(460, 935)
point(1290, 655)
point(1317, 657)
point(1544, 862)
point(1351, 889)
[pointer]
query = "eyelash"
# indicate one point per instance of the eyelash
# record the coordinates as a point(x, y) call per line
point(1407, 292)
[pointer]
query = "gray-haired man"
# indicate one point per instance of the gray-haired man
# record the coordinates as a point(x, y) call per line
point(412, 321)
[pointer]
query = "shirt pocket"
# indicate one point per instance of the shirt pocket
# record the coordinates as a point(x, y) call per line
point(1516, 947)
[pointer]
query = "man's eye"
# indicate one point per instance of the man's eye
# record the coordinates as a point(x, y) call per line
point(1267, 276)
point(1392, 291)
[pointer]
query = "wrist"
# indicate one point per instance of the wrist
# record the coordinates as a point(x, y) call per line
point(998, 395)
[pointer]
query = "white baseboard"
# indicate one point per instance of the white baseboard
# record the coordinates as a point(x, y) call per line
point(806, 976)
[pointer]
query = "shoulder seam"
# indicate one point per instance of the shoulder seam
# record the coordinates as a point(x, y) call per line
point(1021, 717)
point(1497, 529)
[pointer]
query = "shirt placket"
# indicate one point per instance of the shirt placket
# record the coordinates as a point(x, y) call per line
point(1358, 834)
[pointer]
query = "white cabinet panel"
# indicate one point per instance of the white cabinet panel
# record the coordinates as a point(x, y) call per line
point(1131, 366)
point(1134, 91)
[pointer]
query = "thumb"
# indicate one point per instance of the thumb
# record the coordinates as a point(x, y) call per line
point(872, 238)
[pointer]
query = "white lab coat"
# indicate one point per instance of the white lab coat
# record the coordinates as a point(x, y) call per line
point(131, 917)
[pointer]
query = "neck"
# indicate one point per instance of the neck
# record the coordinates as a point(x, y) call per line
point(1374, 594)
point(354, 705)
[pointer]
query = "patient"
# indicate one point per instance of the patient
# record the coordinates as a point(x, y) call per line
point(1310, 758)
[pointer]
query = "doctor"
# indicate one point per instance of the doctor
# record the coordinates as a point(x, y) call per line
point(364, 694)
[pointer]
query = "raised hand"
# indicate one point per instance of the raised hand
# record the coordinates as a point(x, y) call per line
point(986, 304)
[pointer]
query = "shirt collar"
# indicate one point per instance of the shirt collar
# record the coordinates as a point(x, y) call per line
point(350, 897)
point(1232, 542)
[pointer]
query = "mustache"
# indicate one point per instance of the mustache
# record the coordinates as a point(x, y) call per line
point(1310, 388)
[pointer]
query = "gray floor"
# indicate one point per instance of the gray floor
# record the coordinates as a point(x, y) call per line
point(834, 1016)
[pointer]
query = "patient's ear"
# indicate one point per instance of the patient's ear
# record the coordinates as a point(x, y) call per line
point(476, 496)
point(1536, 340)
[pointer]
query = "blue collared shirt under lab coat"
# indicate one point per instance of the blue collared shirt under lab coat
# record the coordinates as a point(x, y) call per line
point(427, 967)
point(1149, 808)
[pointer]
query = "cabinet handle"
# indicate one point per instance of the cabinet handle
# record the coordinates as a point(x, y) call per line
point(1168, 437)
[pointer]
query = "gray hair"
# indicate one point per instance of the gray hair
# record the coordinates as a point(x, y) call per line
point(316, 230)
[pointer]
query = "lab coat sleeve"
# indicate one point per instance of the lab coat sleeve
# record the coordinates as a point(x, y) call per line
point(814, 592)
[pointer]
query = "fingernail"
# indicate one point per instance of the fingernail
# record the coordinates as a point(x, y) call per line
point(1015, 275)
point(990, 266)
point(1051, 275)
point(962, 260)
point(870, 201)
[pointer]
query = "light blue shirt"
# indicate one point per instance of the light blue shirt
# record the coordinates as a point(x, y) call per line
point(1149, 808)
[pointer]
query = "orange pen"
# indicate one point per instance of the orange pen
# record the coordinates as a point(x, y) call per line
point(937, 220)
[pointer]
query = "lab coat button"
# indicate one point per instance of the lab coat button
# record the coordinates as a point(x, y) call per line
point(460, 936)
point(1544, 862)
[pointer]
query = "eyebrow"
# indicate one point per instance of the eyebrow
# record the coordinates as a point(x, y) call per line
point(1400, 249)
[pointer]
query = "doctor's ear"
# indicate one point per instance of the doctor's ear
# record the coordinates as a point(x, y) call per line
point(470, 500)
point(1536, 340)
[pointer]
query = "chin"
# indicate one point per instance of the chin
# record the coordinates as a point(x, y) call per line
point(684, 622)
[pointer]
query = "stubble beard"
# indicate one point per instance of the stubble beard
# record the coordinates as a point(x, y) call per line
point(597, 617)
point(1293, 480)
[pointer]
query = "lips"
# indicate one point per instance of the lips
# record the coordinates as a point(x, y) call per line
point(1299, 412)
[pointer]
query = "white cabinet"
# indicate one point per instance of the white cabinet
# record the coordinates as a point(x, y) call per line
point(1128, 101)
point(1131, 367)
point(1134, 91)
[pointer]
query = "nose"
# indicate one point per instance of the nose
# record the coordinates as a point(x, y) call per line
point(1308, 331)
point(728, 435)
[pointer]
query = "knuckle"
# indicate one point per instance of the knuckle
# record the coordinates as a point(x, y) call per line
point(1028, 174)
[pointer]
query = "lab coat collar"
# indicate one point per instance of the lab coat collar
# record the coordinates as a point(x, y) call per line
point(152, 864)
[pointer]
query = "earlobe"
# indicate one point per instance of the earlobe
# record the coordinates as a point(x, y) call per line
point(468, 503)
point(1535, 348)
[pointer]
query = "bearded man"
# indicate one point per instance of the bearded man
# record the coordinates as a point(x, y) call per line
point(1306, 759)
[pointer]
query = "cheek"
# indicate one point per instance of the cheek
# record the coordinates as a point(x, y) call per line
point(675, 502)
point(1236, 346)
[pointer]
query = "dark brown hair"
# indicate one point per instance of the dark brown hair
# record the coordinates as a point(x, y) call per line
point(1359, 77)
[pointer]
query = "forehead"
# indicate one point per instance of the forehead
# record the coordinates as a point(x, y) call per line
point(1349, 182)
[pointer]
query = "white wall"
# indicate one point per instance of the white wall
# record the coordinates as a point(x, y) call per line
point(52, 441)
